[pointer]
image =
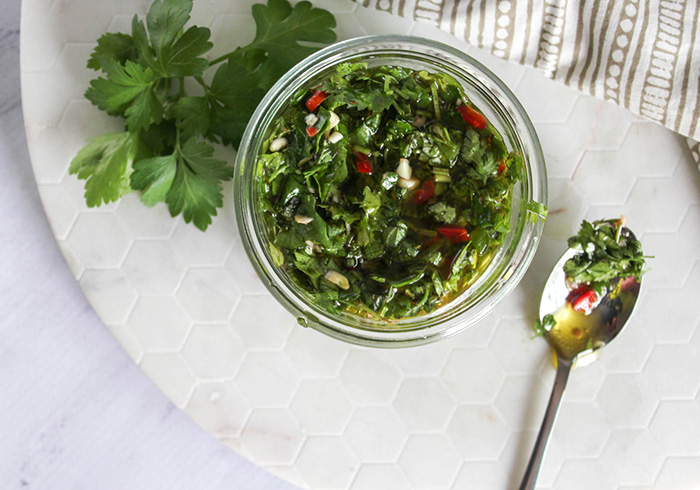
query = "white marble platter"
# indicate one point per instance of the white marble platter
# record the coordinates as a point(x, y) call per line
point(458, 414)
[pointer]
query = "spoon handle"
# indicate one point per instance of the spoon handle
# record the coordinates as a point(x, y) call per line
point(533, 467)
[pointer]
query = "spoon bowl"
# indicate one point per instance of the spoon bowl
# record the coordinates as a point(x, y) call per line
point(577, 338)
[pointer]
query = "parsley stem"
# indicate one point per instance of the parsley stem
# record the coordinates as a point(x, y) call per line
point(225, 57)
point(204, 85)
point(181, 92)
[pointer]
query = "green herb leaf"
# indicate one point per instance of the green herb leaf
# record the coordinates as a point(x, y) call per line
point(281, 29)
point(308, 265)
point(394, 235)
point(183, 57)
point(389, 180)
point(537, 209)
point(105, 163)
point(235, 94)
point(443, 213)
point(365, 132)
point(380, 101)
point(196, 190)
point(165, 20)
point(128, 91)
point(476, 150)
point(193, 116)
point(154, 176)
point(116, 46)
point(277, 255)
point(545, 325)
point(371, 202)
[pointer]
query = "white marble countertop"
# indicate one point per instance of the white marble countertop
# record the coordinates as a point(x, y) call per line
point(75, 411)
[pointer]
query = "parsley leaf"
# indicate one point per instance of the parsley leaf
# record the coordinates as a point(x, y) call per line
point(443, 213)
point(113, 45)
point(196, 190)
point(537, 210)
point(193, 116)
point(182, 58)
point(308, 265)
point(380, 101)
point(233, 96)
point(281, 28)
point(154, 176)
point(165, 20)
point(395, 234)
point(545, 325)
point(105, 163)
point(171, 52)
point(127, 91)
point(371, 201)
point(475, 150)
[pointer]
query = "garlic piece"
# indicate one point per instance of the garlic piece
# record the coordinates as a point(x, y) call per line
point(312, 247)
point(404, 169)
point(338, 279)
point(303, 220)
point(408, 183)
point(335, 137)
point(278, 144)
point(311, 119)
point(333, 119)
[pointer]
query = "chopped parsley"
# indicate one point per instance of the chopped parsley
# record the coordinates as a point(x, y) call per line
point(384, 191)
point(543, 326)
point(606, 252)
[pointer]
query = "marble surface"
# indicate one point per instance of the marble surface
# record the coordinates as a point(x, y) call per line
point(325, 415)
point(75, 411)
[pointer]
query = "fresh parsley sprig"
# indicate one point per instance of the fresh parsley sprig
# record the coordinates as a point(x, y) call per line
point(165, 149)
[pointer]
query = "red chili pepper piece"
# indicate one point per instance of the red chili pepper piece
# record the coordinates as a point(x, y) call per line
point(311, 131)
point(455, 234)
point(472, 117)
point(315, 100)
point(364, 166)
point(426, 192)
point(582, 299)
point(501, 168)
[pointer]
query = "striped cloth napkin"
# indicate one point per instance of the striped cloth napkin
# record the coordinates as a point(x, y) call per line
point(643, 55)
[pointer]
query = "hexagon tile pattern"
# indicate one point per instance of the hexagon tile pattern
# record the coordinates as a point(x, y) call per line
point(461, 413)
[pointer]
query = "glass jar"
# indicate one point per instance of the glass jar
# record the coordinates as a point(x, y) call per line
point(508, 265)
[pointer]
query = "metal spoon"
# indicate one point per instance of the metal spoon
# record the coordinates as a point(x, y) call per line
point(576, 339)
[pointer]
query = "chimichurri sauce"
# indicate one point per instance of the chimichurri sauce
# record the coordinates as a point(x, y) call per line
point(384, 191)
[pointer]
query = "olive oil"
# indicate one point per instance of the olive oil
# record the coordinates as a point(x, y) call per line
point(574, 332)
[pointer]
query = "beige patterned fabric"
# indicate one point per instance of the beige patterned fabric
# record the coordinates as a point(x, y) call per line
point(641, 54)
